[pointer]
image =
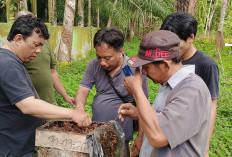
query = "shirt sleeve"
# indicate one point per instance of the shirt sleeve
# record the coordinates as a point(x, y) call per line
point(145, 86)
point(183, 116)
point(88, 77)
point(211, 78)
point(53, 61)
point(14, 84)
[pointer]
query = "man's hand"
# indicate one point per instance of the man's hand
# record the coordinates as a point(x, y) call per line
point(70, 100)
point(132, 83)
point(136, 146)
point(129, 110)
point(82, 118)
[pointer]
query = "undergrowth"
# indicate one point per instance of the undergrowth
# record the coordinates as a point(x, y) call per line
point(221, 144)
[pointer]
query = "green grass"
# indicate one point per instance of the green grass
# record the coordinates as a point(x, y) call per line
point(221, 144)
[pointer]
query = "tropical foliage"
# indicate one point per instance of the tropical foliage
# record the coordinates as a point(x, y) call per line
point(221, 144)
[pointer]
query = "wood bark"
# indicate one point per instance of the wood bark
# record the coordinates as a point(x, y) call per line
point(109, 23)
point(65, 47)
point(220, 34)
point(89, 13)
point(81, 12)
point(34, 7)
point(23, 5)
point(98, 17)
point(186, 6)
point(54, 20)
point(52, 14)
point(9, 14)
point(210, 15)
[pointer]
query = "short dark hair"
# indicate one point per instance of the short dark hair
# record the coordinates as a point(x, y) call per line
point(175, 60)
point(111, 36)
point(25, 25)
point(181, 24)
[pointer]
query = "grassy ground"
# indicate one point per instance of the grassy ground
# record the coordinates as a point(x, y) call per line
point(221, 144)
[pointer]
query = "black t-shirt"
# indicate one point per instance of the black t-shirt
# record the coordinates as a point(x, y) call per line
point(17, 130)
point(207, 69)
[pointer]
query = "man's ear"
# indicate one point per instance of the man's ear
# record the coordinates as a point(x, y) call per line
point(191, 38)
point(18, 38)
point(167, 64)
point(121, 52)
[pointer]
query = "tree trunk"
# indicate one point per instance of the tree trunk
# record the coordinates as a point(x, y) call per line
point(65, 47)
point(54, 20)
point(130, 31)
point(186, 6)
point(109, 22)
point(98, 17)
point(110, 19)
point(220, 36)
point(89, 13)
point(210, 15)
point(9, 13)
point(34, 7)
point(52, 15)
point(81, 12)
point(23, 5)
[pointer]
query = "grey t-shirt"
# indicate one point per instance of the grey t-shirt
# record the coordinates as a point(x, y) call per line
point(106, 102)
point(184, 117)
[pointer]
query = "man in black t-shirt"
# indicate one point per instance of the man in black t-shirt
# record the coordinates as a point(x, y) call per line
point(185, 26)
point(20, 106)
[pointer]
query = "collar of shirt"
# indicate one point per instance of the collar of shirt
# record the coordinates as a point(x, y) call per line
point(125, 58)
point(180, 75)
point(11, 54)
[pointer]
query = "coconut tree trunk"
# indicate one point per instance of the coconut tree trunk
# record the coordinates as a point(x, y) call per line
point(23, 5)
point(52, 15)
point(220, 35)
point(210, 15)
point(186, 6)
point(81, 12)
point(136, 18)
point(89, 13)
point(34, 7)
point(65, 47)
point(9, 13)
point(98, 17)
point(110, 19)
point(54, 20)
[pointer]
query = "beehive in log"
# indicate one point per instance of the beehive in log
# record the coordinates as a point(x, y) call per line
point(66, 139)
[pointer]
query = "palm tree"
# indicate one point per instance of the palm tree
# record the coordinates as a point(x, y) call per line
point(65, 47)
point(89, 13)
point(186, 6)
point(220, 35)
point(129, 14)
point(23, 5)
point(98, 14)
point(81, 12)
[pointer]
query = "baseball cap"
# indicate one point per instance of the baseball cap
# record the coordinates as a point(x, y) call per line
point(156, 46)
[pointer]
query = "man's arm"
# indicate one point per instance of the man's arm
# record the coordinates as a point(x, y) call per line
point(59, 87)
point(212, 124)
point(147, 115)
point(136, 146)
point(81, 97)
point(149, 120)
point(44, 110)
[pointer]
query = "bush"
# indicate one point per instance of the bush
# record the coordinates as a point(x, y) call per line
point(221, 145)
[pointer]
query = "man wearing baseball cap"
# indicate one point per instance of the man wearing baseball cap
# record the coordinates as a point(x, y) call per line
point(178, 122)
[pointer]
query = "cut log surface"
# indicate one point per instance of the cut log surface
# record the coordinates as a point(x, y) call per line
point(67, 139)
